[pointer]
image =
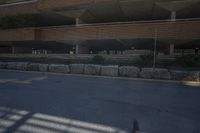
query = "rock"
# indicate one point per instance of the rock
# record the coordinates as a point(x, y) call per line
point(161, 73)
point(33, 67)
point(21, 66)
point(43, 67)
point(3, 65)
point(185, 75)
point(11, 65)
point(147, 73)
point(92, 69)
point(178, 75)
point(109, 71)
point(156, 73)
point(129, 71)
point(77, 68)
point(59, 68)
point(193, 76)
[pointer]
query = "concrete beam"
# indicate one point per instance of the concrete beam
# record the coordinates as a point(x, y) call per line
point(141, 30)
point(37, 6)
point(171, 49)
point(22, 34)
point(173, 16)
point(183, 30)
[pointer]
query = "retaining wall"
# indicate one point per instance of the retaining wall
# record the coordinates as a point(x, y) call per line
point(114, 71)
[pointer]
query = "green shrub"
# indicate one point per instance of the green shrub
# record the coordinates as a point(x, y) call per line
point(145, 60)
point(98, 59)
point(188, 60)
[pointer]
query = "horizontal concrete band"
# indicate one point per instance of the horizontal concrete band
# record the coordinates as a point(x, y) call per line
point(113, 71)
point(45, 5)
point(181, 30)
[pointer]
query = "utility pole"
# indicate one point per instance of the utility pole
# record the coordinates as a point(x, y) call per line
point(155, 48)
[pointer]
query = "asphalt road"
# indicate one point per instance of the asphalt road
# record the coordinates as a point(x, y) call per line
point(45, 103)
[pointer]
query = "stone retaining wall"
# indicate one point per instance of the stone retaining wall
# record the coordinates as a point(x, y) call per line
point(91, 69)
point(59, 68)
point(129, 71)
point(77, 68)
point(109, 71)
point(114, 71)
point(157, 73)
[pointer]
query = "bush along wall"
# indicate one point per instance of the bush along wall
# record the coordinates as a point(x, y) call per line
point(188, 60)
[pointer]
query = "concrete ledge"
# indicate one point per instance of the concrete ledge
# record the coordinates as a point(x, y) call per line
point(33, 67)
point(77, 68)
point(92, 69)
point(59, 68)
point(109, 71)
point(129, 71)
point(43, 67)
point(157, 73)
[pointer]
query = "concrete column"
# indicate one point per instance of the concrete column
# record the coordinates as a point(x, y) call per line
point(81, 49)
point(171, 50)
point(77, 49)
point(77, 21)
point(173, 16)
point(13, 49)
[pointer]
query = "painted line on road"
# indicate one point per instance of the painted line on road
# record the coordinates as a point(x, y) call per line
point(26, 81)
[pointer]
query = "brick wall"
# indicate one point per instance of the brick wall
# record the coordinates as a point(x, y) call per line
point(23, 34)
point(166, 30)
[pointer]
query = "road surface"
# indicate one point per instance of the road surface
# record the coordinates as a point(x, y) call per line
point(44, 103)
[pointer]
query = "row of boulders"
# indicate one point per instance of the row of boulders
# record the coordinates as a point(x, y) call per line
point(90, 69)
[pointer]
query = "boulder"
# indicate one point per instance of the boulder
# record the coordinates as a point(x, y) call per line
point(147, 73)
point(12, 65)
point(157, 73)
point(77, 68)
point(161, 73)
point(129, 71)
point(109, 71)
point(178, 75)
point(43, 67)
point(59, 68)
point(185, 75)
point(193, 76)
point(21, 66)
point(92, 69)
point(33, 67)
point(3, 65)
